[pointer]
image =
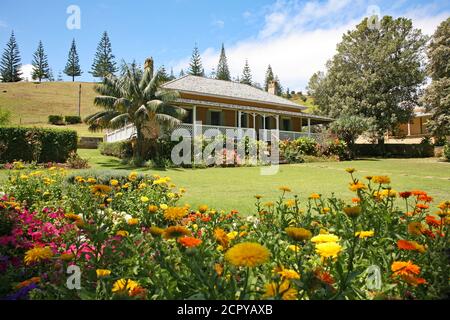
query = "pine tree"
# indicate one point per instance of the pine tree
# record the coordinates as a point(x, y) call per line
point(246, 74)
point(278, 86)
point(181, 73)
point(163, 76)
point(223, 72)
point(172, 76)
point(104, 63)
point(10, 64)
point(41, 69)
point(195, 66)
point(51, 76)
point(73, 68)
point(60, 77)
point(269, 78)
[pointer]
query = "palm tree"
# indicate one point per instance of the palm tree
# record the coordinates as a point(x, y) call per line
point(136, 97)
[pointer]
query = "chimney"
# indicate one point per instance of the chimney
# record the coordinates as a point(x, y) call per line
point(149, 63)
point(272, 87)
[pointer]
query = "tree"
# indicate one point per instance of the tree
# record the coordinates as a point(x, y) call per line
point(376, 73)
point(195, 66)
point(246, 74)
point(51, 76)
point(60, 77)
point(223, 72)
point(269, 78)
point(288, 94)
point(164, 76)
point(41, 69)
point(10, 64)
point(172, 75)
point(104, 63)
point(73, 68)
point(437, 94)
point(181, 73)
point(349, 128)
point(278, 86)
point(136, 97)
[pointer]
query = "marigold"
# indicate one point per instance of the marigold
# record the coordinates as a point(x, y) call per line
point(189, 242)
point(37, 254)
point(314, 196)
point(124, 286)
point(122, 233)
point(175, 213)
point(350, 170)
point(322, 238)
point(364, 234)
point(163, 206)
point(152, 208)
point(133, 221)
point(405, 194)
point(432, 221)
point(352, 212)
point(415, 228)
point(247, 254)
point(356, 200)
point(357, 186)
point(156, 232)
point(221, 237)
point(28, 282)
point(285, 189)
point(100, 189)
point(328, 249)
point(132, 176)
point(284, 291)
point(410, 245)
point(176, 232)
point(404, 268)
point(289, 274)
point(422, 206)
point(101, 273)
point(381, 179)
point(269, 204)
point(114, 182)
point(144, 199)
point(203, 208)
point(298, 234)
point(324, 276)
point(294, 248)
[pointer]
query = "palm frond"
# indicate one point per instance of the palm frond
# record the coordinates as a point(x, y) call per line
point(167, 96)
point(153, 105)
point(167, 121)
point(171, 110)
point(105, 101)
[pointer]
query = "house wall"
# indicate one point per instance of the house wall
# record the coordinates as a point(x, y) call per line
point(417, 127)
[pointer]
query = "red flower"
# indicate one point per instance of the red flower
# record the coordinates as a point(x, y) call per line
point(405, 194)
point(189, 242)
point(432, 221)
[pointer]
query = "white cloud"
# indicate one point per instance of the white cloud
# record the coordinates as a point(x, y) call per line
point(218, 23)
point(27, 69)
point(298, 39)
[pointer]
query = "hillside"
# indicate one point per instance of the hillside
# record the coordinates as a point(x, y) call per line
point(31, 103)
point(308, 103)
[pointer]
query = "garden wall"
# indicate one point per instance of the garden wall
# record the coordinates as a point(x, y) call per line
point(394, 150)
point(36, 144)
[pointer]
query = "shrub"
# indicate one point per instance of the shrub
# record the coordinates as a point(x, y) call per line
point(337, 148)
point(103, 176)
point(294, 151)
point(447, 152)
point(56, 120)
point(73, 119)
point(35, 144)
point(121, 149)
point(76, 162)
point(5, 117)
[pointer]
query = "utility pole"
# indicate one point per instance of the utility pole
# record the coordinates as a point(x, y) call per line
point(79, 101)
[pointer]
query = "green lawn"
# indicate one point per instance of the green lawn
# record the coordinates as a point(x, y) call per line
point(234, 188)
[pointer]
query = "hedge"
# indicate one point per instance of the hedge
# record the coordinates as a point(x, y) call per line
point(395, 150)
point(56, 120)
point(36, 144)
point(121, 149)
point(72, 119)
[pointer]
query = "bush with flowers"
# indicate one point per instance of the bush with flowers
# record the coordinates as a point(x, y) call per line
point(131, 239)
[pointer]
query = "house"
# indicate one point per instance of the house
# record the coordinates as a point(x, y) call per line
point(222, 105)
point(416, 127)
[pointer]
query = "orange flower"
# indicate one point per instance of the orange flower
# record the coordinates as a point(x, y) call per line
point(432, 221)
point(425, 198)
point(405, 268)
point(418, 193)
point(405, 194)
point(415, 228)
point(189, 242)
point(221, 237)
point(422, 206)
point(357, 186)
point(324, 276)
point(356, 200)
point(410, 245)
point(381, 179)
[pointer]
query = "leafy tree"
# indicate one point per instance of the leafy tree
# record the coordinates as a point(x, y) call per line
point(437, 94)
point(10, 64)
point(195, 66)
point(223, 72)
point(349, 128)
point(269, 78)
point(73, 68)
point(136, 97)
point(104, 63)
point(246, 74)
point(376, 74)
point(41, 69)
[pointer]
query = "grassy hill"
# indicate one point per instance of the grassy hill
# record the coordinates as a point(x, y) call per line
point(31, 103)
point(308, 103)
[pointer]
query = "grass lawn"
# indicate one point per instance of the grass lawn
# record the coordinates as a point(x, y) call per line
point(234, 188)
point(31, 103)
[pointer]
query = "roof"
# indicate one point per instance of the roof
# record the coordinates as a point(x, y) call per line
point(227, 89)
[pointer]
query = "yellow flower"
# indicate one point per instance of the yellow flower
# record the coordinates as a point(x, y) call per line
point(142, 186)
point(24, 177)
point(314, 196)
point(91, 180)
point(269, 204)
point(247, 254)
point(114, 182)
point(294, 248)
point(289, 274)
point(232, 235)
point(133, 221)
point(221, 237)
point(174, 232)
point(350, 170)
point(100, 189)
point(163, 206)
point(37, 254)
point(144, 199)
point(175, 213)
point(290, 203)
point(122, 233)
point(284, 291)
point(328, 249)
point(102, 273)
point(152, 208)
point(132, 176)
point(156, 232)
point(298, 234)
point(364, 234)
point(171, 195)
point(381, 179)
point(324, 238)
point(352, 212)
point(109, 200)
point(182, 190)
point(285, 189)
point(357, 186)
point(203, 208)
point(124, 286)
point(326, 210)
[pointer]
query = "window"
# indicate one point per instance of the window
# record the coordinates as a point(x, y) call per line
point(215, 118)
point(286, 124)
point(189, 115)
point(244, 120)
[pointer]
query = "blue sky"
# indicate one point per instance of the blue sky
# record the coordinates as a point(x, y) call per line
point(296, 37)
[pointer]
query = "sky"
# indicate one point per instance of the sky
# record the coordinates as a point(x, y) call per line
point(296, 37)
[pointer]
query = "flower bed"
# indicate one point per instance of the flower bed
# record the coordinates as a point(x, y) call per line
point(129, 237)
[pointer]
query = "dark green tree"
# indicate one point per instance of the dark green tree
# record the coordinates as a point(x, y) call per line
point(437, 94)
point(376, 74)
point(195, 66)
point(278, 86)
point(10, 64)
point(182, 74)
point(246, 74)
point(269, 78)
point(73, 68)
point(223, 72)
point(163, 75)
point(51, 76)
point(41, 69)
point(104, 63)
point(172, 75)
